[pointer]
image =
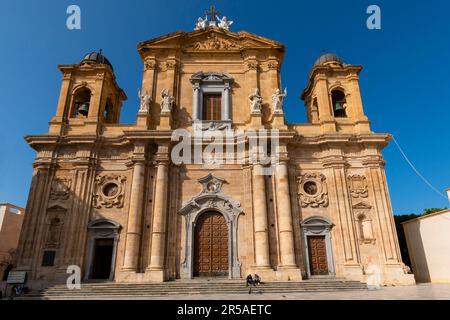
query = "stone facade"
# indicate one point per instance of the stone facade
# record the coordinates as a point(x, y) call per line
point(97, 180)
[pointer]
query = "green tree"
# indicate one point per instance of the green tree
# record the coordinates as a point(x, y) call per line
point(401, 236)
point(432, 210)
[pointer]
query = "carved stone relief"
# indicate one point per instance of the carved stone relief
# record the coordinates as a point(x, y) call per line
point(60, 189)
point(357, 185)
point(213, 42)
point(109, 191)
point(312, 190)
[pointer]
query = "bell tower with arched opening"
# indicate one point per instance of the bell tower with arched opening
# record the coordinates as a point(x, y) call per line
point(90, 97)
point(333, 97)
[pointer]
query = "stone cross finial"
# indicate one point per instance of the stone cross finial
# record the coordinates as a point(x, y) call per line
point(212, 15)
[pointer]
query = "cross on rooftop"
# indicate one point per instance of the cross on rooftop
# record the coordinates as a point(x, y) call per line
point(212, 13)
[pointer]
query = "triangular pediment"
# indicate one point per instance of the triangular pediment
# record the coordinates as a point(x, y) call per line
point(362, 205)
point(210, 39)
point(56, 208)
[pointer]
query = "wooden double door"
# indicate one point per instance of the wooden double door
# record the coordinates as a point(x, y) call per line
point(318, 263)
point(211, 258)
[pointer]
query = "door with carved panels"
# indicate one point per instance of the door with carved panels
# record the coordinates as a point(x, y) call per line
point(317, 255)
point(211, 245)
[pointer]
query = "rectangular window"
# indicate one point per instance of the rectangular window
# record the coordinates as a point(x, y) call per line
point(212, 106)
point(49, 259)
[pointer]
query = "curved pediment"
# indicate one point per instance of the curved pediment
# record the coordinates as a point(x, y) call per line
point(210, 39)
point(211, 197)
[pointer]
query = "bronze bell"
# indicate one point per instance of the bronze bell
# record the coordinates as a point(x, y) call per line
point(338, 106)
point(83, 109)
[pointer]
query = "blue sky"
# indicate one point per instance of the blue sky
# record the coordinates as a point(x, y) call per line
point(405, 83)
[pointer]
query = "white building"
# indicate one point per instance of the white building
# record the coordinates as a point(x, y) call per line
point(428, 240)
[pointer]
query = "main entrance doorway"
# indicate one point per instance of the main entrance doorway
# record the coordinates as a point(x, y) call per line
point(317, 255)
point(103, 252)
point(211, 245)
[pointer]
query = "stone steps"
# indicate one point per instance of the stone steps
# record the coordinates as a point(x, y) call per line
point(105, 290)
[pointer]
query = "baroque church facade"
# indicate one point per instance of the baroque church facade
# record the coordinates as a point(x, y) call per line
point(109, 198)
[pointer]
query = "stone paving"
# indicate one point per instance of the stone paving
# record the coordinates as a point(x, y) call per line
point(418, 292)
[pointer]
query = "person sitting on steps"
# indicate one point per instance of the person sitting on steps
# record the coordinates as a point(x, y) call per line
point(249, 280)
point(256, 280)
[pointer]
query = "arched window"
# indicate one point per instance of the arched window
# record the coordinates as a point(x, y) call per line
point(82, 100)
point(339, 104)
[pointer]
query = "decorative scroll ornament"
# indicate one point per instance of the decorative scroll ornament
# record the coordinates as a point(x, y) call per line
point(109, 191)
point(60, 189)
point(358, 186)
point(312, 190)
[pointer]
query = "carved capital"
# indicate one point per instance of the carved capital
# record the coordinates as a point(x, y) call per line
point(150, 64)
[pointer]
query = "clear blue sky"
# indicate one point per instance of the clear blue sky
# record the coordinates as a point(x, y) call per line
point(405, 82)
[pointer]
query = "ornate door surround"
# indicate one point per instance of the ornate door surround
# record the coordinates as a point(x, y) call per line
point(101, 229)
point(211, 199)
point(317, 226)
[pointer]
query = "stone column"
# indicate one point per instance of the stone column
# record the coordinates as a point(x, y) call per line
point(226, 102)
point(285, 230)
point(134, 226)
point(262, 252)
point(196, 102)
point(159, 227)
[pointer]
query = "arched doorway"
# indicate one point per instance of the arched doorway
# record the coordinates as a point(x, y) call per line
point(317, 242)
point(211, 247)
point(103, 236)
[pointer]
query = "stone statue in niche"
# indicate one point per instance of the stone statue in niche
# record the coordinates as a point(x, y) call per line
point(312, 190)
point(60, 189)
point(255, 101)
point(277, 100)
point(145, 101)
point(109, 191)
point(167, 101)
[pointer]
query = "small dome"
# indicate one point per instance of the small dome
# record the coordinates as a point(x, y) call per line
point(96, 57)
point(328, 57)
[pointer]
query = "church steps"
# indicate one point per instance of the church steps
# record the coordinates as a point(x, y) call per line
point(117, 290)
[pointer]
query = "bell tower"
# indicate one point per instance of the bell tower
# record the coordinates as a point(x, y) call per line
point(90, 97)
point(333, 97)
